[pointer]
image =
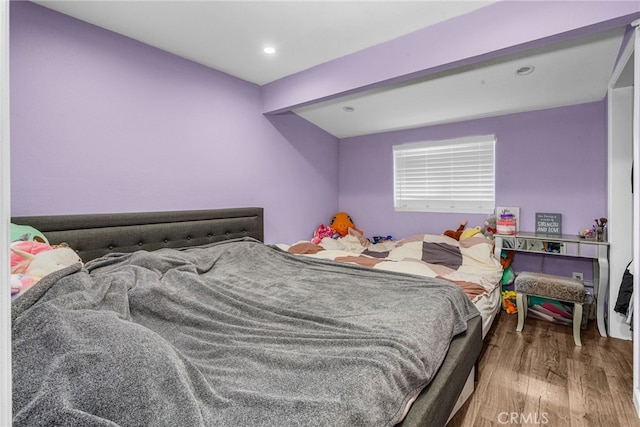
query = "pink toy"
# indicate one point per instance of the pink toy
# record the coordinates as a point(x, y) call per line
point(30, 247)
point(20, 284)
point(321, 232)
point(45, 262)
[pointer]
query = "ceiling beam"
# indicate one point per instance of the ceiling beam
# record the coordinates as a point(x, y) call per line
point(499, 29)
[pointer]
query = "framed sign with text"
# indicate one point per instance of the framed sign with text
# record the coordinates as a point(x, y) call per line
point(549, 223)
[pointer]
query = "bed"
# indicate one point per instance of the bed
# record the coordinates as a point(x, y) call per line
point(471, 263)
point(187, 318)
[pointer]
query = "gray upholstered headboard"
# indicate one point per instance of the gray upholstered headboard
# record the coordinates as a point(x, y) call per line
point(94, 235)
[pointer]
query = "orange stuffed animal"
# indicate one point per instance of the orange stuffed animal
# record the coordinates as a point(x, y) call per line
point(455, 234)
point(341, 223)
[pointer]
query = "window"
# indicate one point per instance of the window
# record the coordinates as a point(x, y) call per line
point(456, 175)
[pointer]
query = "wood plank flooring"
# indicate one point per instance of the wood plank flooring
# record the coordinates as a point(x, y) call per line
point(538, 377)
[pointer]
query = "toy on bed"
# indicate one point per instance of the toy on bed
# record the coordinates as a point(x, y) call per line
point(470, 232)
point(341, 223)
point(381, 239)
point(489, 228)
point(462, 233)
point(26, 233)
point(323, 231)
point(455, 234)
point(32, 260)
point(33, 247)
point(45, 262)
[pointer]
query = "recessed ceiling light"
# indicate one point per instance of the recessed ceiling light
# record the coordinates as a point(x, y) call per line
point(348, 109)
point(523, 71)
point(269, 50)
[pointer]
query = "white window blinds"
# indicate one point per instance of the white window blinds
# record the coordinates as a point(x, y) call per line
point(455, 175)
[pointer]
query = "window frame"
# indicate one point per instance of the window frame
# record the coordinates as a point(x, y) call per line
point(437, 153)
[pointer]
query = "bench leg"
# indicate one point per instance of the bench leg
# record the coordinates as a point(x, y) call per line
point(577, 323)
point(521, 302)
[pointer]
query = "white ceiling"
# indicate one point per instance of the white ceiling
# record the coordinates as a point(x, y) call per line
point(229, 36)
point(568, 73)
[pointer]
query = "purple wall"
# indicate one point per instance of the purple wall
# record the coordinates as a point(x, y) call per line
point(546, 161)
point(103, 123)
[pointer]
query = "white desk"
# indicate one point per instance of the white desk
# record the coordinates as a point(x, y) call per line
point(570, 246)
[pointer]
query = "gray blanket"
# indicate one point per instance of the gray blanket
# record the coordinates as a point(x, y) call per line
point(232, 334)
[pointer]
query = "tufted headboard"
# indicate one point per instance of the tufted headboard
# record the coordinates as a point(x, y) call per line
point(94, 235)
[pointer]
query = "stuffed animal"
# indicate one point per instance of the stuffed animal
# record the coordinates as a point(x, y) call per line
point(506, 258)
point(455, 234)
point(321, 232)
point(45, 262)
point(26, 233)
point(341, 223)
point(381, 239)
point(489, 228)
point(508, 302)
point(29, 246)
point(470, 232)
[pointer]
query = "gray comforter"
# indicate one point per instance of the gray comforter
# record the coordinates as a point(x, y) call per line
point(232, 334)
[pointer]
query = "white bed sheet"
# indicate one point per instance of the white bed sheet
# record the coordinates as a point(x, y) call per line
point(489, 306)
